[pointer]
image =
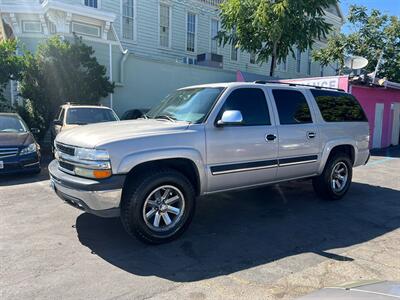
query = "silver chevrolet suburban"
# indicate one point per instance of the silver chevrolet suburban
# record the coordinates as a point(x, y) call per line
point(206, 139)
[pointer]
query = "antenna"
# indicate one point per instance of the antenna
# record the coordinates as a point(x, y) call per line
point(355, 62)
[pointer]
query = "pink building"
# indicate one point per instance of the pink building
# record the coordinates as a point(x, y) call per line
point(382, 106)
point(380, 101)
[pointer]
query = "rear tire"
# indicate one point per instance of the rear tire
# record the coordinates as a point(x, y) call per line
point(335, 180)
point(158, 207)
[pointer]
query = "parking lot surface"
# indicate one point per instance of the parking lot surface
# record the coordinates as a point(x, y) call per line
point(276, 242)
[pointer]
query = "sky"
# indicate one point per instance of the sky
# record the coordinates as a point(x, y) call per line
point(390, 7)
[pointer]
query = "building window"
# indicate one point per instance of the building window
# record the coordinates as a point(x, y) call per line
point(128, 19)
point(214, 33)
point(86, 29)
point(191, 32)
point(32, 26)
point(164, 25)
point(91, 3)
point(309, 61)
point(298, 61)
point(234, 52)
point(253, 57)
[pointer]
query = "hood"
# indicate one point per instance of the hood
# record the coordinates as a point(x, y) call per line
point(94, 135)
point(16, 139)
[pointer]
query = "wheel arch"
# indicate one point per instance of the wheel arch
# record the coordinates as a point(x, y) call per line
point(345, 146)
point(188, 162)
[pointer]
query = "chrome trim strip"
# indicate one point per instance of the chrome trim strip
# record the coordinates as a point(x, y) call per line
point(99, 165)
point(9, 149)
point(243, 170)
point(30, 165)
point(297, 163)
point(278, 164)
point(5, 156)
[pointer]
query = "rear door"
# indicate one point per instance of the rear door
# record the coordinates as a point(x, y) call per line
point(299, 141)
point(245, 154)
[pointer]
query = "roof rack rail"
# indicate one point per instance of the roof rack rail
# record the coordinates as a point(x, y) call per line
point(78, 103)
point(298, 84)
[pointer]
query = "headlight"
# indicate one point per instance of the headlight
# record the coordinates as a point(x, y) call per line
point(91, 154)
point(90, 173)
point(32, 148)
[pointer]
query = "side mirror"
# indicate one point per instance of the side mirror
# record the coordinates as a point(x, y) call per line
point(231, 117)
point(57, 122)
point(35, 130)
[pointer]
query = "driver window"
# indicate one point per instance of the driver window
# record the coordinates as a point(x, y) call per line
point(251, 103)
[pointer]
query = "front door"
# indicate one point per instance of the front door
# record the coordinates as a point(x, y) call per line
point(299, 141)
point(246, 154)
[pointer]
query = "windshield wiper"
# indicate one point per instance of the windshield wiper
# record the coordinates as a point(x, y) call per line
point(167, 117)
point(78, 123)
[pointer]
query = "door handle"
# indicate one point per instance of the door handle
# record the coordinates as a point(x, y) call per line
point(270, 137)
point(311, 135)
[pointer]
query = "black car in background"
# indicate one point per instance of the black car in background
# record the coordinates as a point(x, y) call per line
point(19, 151)
point(134, 114)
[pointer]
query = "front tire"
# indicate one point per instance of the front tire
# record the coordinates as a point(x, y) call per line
point(335, 180)
point(158, 207)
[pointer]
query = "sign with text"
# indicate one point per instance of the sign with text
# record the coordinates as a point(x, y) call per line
point(337, 82)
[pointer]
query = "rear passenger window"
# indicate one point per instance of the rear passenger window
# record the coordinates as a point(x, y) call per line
point(338, 107)
point(292, 107)
point(251, 103)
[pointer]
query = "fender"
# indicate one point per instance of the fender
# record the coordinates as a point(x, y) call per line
point(134, 159)
point(332, 144)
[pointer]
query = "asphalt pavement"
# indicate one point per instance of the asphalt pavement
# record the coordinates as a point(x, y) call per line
point(276, 242)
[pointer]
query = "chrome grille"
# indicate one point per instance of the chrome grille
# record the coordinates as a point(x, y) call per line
point(8, 152)
point(66, 149)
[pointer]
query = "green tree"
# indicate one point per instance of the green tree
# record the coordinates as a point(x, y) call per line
point(11, 68)
point(371, 33)
point(272, 28)
point(58, 72)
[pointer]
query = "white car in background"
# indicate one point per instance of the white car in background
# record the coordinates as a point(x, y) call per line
point(72, 115)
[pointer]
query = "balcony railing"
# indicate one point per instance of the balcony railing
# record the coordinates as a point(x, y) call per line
point(212, 2)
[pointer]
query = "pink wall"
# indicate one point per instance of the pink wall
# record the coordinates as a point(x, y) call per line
point(368, 97)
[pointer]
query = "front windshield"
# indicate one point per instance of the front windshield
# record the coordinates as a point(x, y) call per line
point(190, 105)
point(89, 115)
point(11, 124)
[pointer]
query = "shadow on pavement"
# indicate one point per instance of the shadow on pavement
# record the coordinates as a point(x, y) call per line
point(241, 230)
point(387, 152)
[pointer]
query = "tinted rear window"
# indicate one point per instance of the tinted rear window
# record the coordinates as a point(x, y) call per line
point(292, 107)
point(338, 107)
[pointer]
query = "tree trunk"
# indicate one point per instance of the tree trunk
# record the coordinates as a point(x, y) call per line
point(272, 68)
point(273, 61)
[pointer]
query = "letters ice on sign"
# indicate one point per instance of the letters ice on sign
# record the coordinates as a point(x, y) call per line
point(329, 82)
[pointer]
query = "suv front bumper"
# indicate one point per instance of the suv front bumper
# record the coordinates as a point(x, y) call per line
point(99, 197)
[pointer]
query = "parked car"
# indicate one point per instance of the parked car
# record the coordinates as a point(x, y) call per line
point(208, 139)
point(72, 115)
point(19, 151)
point(134, 114)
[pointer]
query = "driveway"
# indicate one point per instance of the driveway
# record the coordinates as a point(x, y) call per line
point(276, 242)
